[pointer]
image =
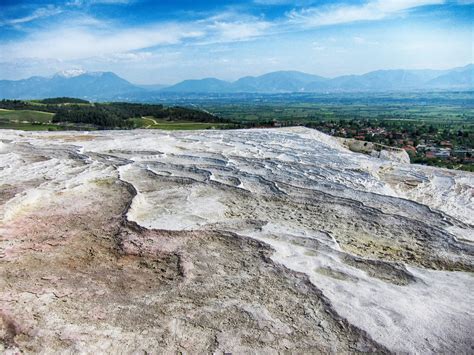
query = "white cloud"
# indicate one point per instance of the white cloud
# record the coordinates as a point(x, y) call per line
point(236, 31)
point(93, 2)
point(370, 11)
point(285, 2)
point(52, 10)
point(272, 2)
point(37, 14)
point(230, 26)
point(81, 42)
point(128, 57)
point(83, 36)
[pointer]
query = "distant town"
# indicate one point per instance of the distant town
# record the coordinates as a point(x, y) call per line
point(425, 143)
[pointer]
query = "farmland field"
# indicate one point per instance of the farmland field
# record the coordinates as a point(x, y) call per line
point(25, 115)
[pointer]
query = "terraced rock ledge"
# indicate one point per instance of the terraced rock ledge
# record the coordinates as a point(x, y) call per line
point(252, 241)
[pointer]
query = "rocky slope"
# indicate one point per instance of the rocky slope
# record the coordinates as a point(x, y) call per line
point(229, 241)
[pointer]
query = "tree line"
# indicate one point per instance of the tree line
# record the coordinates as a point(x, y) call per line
point(62, 100)
point(109, 115)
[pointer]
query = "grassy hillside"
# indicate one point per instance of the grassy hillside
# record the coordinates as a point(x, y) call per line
point(25, 116)
point(67, 113)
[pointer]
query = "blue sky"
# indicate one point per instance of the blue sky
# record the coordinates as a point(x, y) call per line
point(152, 42)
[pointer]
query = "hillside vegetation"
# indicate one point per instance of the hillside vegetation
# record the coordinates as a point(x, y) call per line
point(62, 100)
point(26, 116)
point(69, 113)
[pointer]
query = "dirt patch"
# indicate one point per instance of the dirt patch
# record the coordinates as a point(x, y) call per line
point(94, 282)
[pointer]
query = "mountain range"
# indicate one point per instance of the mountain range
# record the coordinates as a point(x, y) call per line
point(109, 86)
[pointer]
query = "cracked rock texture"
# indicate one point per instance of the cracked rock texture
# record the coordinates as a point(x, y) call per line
point(252, 241)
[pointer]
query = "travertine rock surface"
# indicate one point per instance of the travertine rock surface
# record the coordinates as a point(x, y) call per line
point(252, 241)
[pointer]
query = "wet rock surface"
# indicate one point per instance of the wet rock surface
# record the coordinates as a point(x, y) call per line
point(237, 241)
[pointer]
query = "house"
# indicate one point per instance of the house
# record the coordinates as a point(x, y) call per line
point(443, 153)
point(446, 144)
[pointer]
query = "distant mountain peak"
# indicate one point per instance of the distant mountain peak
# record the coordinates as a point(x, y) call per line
point(71, 83)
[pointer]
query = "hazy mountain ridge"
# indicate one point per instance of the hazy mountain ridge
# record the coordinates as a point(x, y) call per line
point(206, 85)
point(291, 81)
point(462, 77)
point(294, 81)
point(109, 86)
point(90, 85)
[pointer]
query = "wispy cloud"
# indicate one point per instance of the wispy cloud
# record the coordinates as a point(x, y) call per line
point(230, 26)
point(272, 2)
point(94, 2)
point(370, 11)
point(53, 10)
point(81, 42)
point(81, 36)
point(285, 2)
point(42, 12)
point(236, 31)
point(127, 57)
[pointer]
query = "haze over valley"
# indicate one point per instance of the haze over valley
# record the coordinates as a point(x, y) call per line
point(109, 86)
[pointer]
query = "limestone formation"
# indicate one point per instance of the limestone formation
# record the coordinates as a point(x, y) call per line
point(251, 241)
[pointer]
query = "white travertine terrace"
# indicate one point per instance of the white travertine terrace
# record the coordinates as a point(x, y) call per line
point(388, 244)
